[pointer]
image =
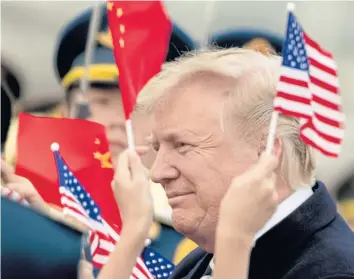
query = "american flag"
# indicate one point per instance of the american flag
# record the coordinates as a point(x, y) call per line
point(157, 265)
point(13, 195)
point(78, 204)
point(308, 89)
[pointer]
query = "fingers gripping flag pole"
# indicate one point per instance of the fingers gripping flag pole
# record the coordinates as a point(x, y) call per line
point(275, 114)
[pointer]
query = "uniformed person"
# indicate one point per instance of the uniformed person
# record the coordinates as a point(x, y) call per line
point(106, 108)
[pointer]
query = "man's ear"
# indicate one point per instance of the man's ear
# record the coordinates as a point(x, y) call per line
point(277, 147)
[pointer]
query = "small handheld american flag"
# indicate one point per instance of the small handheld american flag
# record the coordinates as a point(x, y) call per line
point(157, 265)
point(308, 89)
point(78, 204)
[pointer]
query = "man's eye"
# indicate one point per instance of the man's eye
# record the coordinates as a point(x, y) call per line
point(155, 146)
point(181, 146)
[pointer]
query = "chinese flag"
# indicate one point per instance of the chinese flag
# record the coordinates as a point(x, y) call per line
point(85, 148)
point(141, 33)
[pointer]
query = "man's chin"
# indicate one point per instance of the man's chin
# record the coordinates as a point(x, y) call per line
point(182, 222)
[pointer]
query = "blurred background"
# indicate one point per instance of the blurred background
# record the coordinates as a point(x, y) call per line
point(29, 30)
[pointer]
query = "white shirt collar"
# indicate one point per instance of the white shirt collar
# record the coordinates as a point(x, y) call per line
point(285, 208)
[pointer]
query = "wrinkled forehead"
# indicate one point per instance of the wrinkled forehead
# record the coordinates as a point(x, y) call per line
point(189, 108)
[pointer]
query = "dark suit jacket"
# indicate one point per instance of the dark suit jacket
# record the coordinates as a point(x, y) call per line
point(313, 242)
point(33, 246)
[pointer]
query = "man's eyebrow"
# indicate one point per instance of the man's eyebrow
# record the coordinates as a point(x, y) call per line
point(166, 136)
point(172, 135)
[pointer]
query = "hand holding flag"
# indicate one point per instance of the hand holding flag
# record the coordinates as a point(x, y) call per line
point(131, 180)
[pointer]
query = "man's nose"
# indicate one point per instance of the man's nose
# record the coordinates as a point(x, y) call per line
point(162, 170)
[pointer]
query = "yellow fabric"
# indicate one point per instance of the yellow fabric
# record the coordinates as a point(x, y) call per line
point(105, 38)
point(347, 209)
point(155, 230)
point(97, 72)
point(183, 249)
point(261, 45)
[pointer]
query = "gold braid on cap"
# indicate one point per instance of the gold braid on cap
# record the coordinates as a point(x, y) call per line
point(261, 45)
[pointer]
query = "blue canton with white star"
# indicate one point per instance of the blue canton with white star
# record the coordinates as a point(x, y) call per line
point(68, 180)
point(157, 265)
point(294, 51)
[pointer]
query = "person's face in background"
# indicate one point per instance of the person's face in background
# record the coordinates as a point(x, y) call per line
point(106, 108)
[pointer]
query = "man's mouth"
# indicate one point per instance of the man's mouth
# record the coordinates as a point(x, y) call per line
point(176, 198)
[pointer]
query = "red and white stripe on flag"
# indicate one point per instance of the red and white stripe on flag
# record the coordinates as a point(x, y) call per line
point(308, 89)
point(102, 236)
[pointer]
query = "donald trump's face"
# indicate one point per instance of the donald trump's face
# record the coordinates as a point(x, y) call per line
point(197, 157)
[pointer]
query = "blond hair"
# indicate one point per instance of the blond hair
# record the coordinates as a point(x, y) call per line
point(250, 100)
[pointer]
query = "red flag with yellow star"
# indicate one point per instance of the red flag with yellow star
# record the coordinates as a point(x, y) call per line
point(140, 32)
point(85, 147)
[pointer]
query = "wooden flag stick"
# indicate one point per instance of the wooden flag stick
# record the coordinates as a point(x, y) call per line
point(272, 132)
point(130, 136)
point(275, 115)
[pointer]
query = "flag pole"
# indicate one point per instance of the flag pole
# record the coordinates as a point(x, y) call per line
point(82, 106)
point(90, 46)
point(275, 115)
point(129, 132)
point(272, 132)
point(209, 16)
